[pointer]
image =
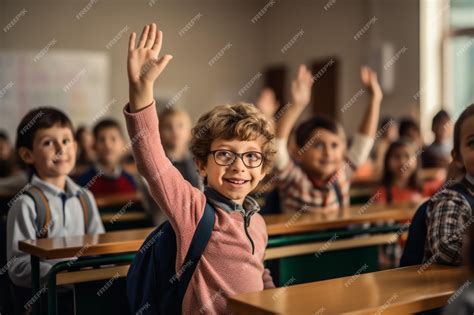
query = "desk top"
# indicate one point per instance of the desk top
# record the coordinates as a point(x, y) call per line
point(396, 291)
point(280, 224)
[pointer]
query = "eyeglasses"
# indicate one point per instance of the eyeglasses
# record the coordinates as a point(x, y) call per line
point(250, 159)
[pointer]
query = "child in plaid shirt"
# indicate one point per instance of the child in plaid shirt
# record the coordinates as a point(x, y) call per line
point(449, 212)
point(318, 179)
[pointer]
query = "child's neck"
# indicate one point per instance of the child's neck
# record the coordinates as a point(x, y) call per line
point(176, 154)
point(470, 178)
point(440, 141)
point(57, 181)
point(401, 182)
point(107, 168)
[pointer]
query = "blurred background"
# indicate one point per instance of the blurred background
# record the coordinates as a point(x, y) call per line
point(72, 54)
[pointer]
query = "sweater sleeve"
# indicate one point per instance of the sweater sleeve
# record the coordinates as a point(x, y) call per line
point(182, 203)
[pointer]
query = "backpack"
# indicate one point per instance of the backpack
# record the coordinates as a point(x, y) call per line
point(43, 211)
point(153, 285)
point(415, 246)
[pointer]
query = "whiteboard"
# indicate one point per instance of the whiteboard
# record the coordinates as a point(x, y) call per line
point(77, 82)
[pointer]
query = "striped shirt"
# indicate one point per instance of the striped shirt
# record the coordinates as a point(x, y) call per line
point(448, 216)
point(300, 193)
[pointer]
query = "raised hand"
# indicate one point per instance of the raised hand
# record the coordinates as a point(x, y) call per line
point(144, 66)
point(369, 79)
point(301, 87)
point(268, 103)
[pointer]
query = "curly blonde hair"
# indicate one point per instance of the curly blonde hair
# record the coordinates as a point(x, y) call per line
point(241, 121)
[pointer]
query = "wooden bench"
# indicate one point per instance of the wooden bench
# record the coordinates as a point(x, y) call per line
point(396, 291)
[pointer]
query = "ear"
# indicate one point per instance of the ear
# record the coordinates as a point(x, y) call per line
point(75, 145)
point(456, 156)
point(201, 167)
point(262, 175)
point(26, 155)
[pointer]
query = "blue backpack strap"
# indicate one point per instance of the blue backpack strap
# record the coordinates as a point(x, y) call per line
point(414, 250)
point(43, 211)
point(340, 199)
point(196, 249)
point(87, 207)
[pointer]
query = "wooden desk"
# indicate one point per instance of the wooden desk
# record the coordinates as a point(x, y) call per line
point(117, 199)
point(86, 245)
point(280, 224)
point(121, 242)
point(396, 291)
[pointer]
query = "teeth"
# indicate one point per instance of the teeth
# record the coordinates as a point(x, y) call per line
point(239, 182)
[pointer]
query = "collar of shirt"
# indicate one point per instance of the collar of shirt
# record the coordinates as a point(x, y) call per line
point(470, 182)
point(321, 184)
point(115, 174)
point(50, 190)
point(221, 202)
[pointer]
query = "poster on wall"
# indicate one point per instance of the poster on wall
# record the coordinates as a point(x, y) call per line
point(76, 82)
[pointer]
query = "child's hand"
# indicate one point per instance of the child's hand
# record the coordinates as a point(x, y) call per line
point(267, 279)
point(301, 87)
point(144, 67)
point(369, 78)
point(267, 103)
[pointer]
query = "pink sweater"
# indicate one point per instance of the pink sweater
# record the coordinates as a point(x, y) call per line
point(227, 266)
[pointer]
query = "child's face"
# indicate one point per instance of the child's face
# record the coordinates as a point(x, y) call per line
point(5, 150)
point(392, 132)
point(109, 146)
point(234, 181)
point(467, 145)
point(54, 152)
point(402, 162)
point(175, 131)
point(443, 130)
point(323, 154)
point(414, 136)
point(86, 140)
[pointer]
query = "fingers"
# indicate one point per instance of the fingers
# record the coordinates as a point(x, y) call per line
point(301, 71)
point(304, 75)
point(131, 41)
point(365, 74)
point(151, 36)
point(160, 65)
point(144, 36)
point(158, 41)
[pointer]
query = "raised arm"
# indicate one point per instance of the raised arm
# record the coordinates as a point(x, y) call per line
point(182, 203)
point(300, 97)
point(369, 123)
point(144, 66)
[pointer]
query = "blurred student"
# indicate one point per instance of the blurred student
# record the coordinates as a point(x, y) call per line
point(449, 212)
point(85, 149)
point(53, 206)
point(12, 177)
point(409, 130)
point(438, 154)
point(401, 176)
point(400, 180)
point(175, 132)
point(388, 131)
point(107, 177)
point(318, 180)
